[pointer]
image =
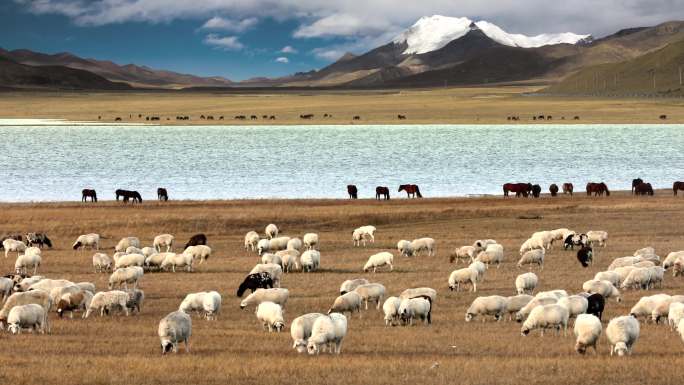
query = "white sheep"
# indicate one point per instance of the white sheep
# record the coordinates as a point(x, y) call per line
point(536, 301)
point(212, 305)
point(494, 305)
point(610, 276)
point(133, 250)
point(91, 241)
point(391, 310)
point(272, 258)
point(605, 288)
point(414, 308)
point(163, 240)
point(481, 244)
point(126, 242)
point(174, 328)
point(378, 260)
point(622, 272)
point(271, 231)
point(102, 262)
point(597, 237)
point(251, 240)
point(6, 286)
point(546, 237)
point(10, 244)
point(271, 316)
point(587, 330)
point(671, 258)
point(108, 301)
point(423, 245)
point(129, 260)
point(25, 283)
point(576, 305)
point(174, 260)
point(371, 292)
point(135, 300)
point(300, 330)
point(276, 295)
point(148, 251)
point(348, 302)
point(124, 276)
point(480, 267)
point(48, 284)
point(70, 302)
point(155, 260)
point(419, 292)
point(352, 284)
point(467, 253)
point(644, 251)
point(526, 283)
point(638, 278)
point(515, 303)
point(263, 246)
point(275, 271)
point(492, 255)
point(531, 244)
point(532, 257)
point(199, 252)
point(546, 317)
point(622, 333)
point(33, 250)
point(25, 262)
point(644, 264)
point(624, 261)
point(327, 331)
point(289, 259)
point(310, 260)
point(363, 234)
point(646, 305)
point(404, 247)
point(561, 234)
point(295, 244)
point(463, 276)
point(30, 316)
point(657, 275)
point(206, 303)
point(675, 314)
point(279, 243)
point(310, 240)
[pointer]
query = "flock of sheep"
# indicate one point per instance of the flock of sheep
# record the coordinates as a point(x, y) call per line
point(28, 298)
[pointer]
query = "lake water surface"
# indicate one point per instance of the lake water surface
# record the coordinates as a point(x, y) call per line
point(54, 162)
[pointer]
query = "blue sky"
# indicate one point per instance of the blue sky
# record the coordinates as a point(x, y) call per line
point(239, 39)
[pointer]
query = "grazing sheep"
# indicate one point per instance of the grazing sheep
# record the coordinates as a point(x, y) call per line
point(271, 231)
point(91, 241)
point(310, 260)
point(610, 276)
point(595, 304)
point(263, 246)
point(463, 276)
point(481, 244)
point(201, 252)
point(255, 281)
point(289, 260)
point(271, 316)
point(25, 262)
point(294, 244)
point(71, 302)
point(493, 255)
point(10, 244)
point(251, 240)
point(645, 306)
point(622, 272)
point(272, 258)
point(352, 284)
point(129, 260)
point(547, 317)
point(494, 305)
point(31, 316)
point(587, 330)
point(276, 295)
point(135, 300)
point(638, 278)
point(531, 244)
point(574, 239)
point(102, 263)
point(163, 240)
point(464, 252)
point(662, 308)
point(279, 243)
point(515, 303)
point(206, 303)
point(419, 292)
point(25, 283)
point(58, 292)
point(125, 243)
point(672, 258)
point(371, 292)
point(599, 237)
point(412, 308)
point(605, 288)
point(124, 276)
point(349, 302)
point(6, 285)
point(148, 251)
point(391, 310)
point(327, 331)
point(526, 283)
point(49, 284)
point(273, 270)
point(379, 260)
point(624, 261)
point(561, 234)
point(174, 260)
point(644, 251)
point(310, 240)
point(174, 328)
point(33, 250)
point(576, 305)
point(404, 247)
point(622, 333)
point(133, 250)
point(546, 237)
point(155, 261)
point(363, 234)
point(675, 314)
point(480, 267)
point(300, 330)
point(39, 297)
point(537, 301)
point(211, 305)
point(106, 301)
point(644, 264)
point(532, 257)
point(423, 245)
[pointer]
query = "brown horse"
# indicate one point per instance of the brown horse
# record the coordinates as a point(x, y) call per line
point(598, 189)
point(520, 189)
point(568, 188)
point(636, 182)
point(677, 186)
point(162, 194)
point(88, 193)
point(384, 192)
point(643, 189)
point(352, 191)
point(553, 189)
point(412, 190)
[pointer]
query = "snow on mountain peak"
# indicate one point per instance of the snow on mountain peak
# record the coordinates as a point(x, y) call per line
point(434, 32)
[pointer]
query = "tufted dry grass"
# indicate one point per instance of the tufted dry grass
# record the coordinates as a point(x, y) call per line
point(234, 349)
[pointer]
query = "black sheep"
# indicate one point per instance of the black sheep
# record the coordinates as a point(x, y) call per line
point(255, 281)
point(197, 239)
point(585, 256)
point(596, 304)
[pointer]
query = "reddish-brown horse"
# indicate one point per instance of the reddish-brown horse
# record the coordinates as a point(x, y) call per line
point(352, 191)
point(520, 189)
point(598, 189)
point(568, 188)
point(643, 189)
point(412, 190)
point(382, 191)
point(677, 186)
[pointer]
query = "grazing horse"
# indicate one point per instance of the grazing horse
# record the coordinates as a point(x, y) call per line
point(520, 189)
point(126, 195)
point(598, 189)
point(412, 190)
point(567, 188)
point(536, 190)
point(553, 189)
point(352, 191)
point(88, 193)
point(384, 192)
point(636, 182)
point(643, 189)
point(677, 186)
point(162, 194)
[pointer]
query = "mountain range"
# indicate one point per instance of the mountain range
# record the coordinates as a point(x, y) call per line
point(434, 52)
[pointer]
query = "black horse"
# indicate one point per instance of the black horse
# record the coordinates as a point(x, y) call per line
point(128, 195)
point(635, 183)
point(255, 281)
point(88, 193)
point(162, 194)
point(352, 191)
point(382, 191)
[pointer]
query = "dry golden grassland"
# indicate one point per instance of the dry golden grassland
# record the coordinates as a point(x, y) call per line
point(235, 350)
point(479, 105)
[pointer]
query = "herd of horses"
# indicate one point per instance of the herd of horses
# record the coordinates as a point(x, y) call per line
point(383, 192)
point(124, 195)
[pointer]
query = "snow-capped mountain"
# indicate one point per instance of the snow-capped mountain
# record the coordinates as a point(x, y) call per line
point(434, 32)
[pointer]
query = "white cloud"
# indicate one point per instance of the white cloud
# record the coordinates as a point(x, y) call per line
point(237, 26)
point(283, 60)
point(227, 43)
point(289, 50)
